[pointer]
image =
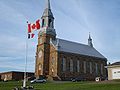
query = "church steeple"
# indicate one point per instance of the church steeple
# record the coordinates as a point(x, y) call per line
point(47, 11)
point(47, 33)
point(90, 41)
point(48, 20)
point(48, 4)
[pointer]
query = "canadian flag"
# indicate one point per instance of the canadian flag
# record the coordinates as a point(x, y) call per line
point(38, 24)
point(32, 27)
point(35, 26)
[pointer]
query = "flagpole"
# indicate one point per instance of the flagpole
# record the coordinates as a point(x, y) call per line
point(37, 26)
point(26, 58)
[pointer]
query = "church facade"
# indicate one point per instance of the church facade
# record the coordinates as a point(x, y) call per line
point(60, 59)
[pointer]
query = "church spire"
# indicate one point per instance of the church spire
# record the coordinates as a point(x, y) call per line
point(90, 41)
point(48, 4)
point(47, 12)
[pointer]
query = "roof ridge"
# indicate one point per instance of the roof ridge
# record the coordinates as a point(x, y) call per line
point(73, 42)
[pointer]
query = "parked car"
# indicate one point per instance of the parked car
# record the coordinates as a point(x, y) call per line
point(77, 79)
point(38, 81)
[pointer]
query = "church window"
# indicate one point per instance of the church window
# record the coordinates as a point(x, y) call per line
point(96, 68)
point(90, 67)
point(101, 69)
point(43, 23)
point(49, 22)
point(71, 65)
point(87, 67)
point(78, 66)
point(64, 64)
point(84, 66)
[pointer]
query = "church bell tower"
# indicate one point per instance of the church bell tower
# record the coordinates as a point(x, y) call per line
point(46, 33)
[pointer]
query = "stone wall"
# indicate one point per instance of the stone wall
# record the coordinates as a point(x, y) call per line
point(67, 75)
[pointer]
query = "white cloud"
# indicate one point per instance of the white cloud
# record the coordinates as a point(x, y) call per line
point(10, 15)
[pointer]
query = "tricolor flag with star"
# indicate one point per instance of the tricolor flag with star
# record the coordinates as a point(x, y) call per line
point(32, 28)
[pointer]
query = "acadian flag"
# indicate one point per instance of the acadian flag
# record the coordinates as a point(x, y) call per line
point(31, 35)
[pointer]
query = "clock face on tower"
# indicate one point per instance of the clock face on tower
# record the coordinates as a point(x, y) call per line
point(40, 54)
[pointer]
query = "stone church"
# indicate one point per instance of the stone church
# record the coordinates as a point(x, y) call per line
point(59, 59)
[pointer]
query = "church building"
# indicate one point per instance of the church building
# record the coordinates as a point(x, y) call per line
point(59, 59)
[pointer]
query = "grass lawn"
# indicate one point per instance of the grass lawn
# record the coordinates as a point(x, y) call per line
point(65, 85)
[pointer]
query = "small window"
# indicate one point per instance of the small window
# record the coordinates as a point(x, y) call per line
point(118, 72)
point(50, 22)
point(43, 22)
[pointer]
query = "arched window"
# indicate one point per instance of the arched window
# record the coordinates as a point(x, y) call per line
point(101, 69)
point(90, 67)
point(71, 65)
point(43, 22)
point(96, 68)
point(78, 66)
point(49, 22)
point(84, 66)
point(63, 64)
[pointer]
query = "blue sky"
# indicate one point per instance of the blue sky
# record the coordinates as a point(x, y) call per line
point(74, 19)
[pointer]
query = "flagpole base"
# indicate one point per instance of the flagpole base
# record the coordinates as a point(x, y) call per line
point(27, 88)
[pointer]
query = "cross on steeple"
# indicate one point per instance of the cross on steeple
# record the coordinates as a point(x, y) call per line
point(48, 4)
point(90, 41)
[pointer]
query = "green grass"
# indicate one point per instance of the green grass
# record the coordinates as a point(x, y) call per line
point(65, 86)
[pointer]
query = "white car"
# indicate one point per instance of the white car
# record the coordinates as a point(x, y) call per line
point(38, 81)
